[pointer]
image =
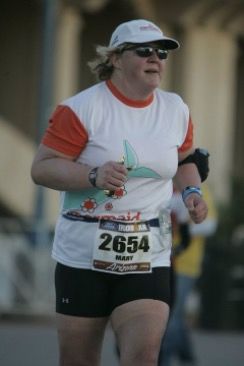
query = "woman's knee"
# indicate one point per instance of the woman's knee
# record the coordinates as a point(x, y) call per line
point(140, 356)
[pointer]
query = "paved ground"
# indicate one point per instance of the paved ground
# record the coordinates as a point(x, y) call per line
point(35, 344)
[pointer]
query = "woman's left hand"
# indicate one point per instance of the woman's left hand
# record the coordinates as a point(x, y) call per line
point(197, 208)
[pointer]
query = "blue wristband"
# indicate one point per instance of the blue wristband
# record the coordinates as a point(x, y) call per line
point(190, 189)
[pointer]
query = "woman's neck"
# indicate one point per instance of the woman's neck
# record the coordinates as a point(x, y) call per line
point(128, 101)
point(132, 92)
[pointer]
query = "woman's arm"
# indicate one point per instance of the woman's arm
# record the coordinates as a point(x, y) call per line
point(61, 172)
point(55, 170)
point(187, 176)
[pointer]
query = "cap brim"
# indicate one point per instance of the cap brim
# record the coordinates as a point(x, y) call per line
point(167, 43)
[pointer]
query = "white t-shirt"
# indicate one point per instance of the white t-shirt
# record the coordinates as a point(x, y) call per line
point(98, 125)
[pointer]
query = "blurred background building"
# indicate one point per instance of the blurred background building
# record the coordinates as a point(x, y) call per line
point(44, 49)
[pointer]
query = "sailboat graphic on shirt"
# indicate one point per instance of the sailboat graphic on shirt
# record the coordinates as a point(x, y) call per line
point(87, 200)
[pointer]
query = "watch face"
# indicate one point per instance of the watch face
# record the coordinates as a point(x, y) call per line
point(93, 176)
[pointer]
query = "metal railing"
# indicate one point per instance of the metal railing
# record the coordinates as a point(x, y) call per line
point(26, 269)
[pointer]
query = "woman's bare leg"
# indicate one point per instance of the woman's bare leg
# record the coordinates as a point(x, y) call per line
point(80, 340)
point(139, 326)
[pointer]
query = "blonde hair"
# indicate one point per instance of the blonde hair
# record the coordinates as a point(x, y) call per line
point(102, 66)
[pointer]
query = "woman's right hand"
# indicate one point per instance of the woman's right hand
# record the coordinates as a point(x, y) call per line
point(111, 176)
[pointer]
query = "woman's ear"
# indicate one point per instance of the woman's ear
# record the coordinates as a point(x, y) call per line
point(116, 60)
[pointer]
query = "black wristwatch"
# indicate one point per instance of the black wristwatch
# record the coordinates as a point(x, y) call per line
point(92, 176)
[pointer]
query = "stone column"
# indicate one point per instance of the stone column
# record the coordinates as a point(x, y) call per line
point(66, 75)
point(67, 53)
point(208, 86)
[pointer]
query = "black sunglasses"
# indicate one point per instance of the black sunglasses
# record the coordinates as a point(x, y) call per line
point(147, 51)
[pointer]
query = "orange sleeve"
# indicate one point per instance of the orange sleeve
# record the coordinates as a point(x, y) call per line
point(188, 142)
point(65, 132)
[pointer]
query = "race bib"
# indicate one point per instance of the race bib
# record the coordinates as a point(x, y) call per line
point(122, 247)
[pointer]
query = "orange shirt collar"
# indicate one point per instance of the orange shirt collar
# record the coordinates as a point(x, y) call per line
point(127, 101)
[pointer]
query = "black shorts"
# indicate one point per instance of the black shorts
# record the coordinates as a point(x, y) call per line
point(88, 293)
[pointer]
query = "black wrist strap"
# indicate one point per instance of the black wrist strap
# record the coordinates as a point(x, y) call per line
point(92, 176)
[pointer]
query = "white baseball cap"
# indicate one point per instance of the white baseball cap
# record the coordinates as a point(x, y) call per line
point(141, 31)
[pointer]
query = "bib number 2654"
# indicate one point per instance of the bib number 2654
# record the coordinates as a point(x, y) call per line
point(121, 244)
